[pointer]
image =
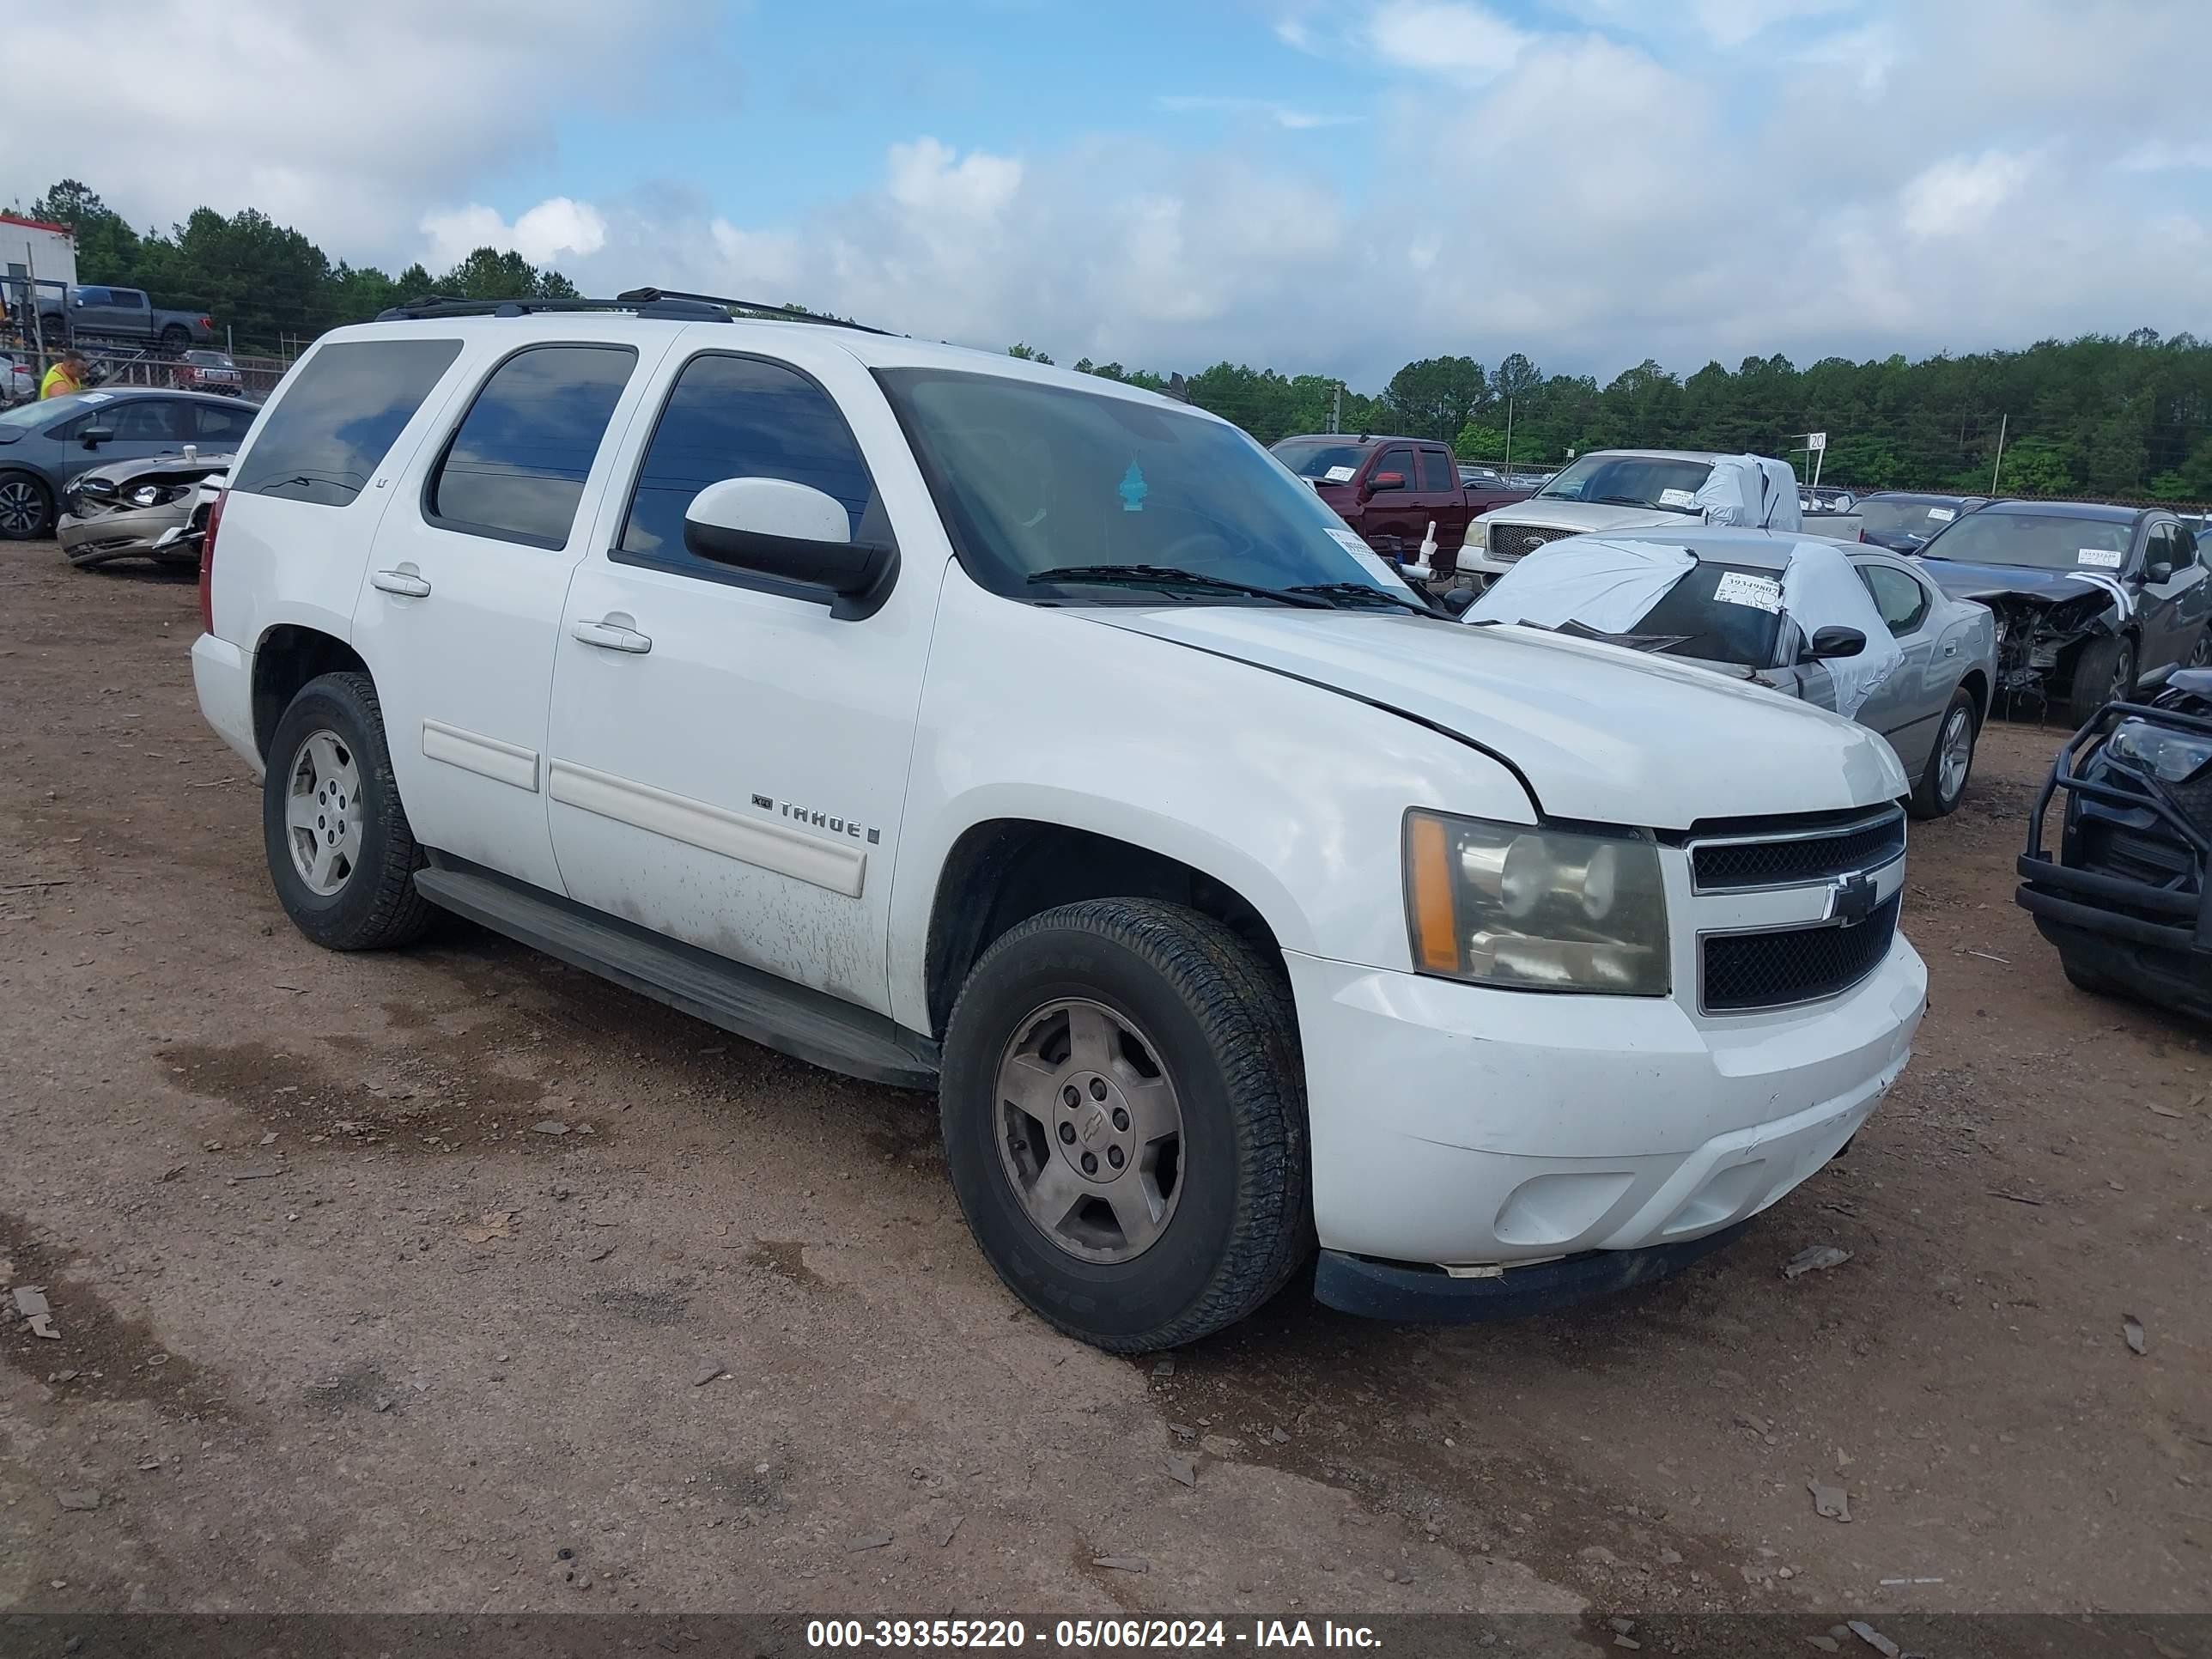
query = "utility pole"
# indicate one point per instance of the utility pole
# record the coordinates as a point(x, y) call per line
point(38, 321)
point(1508, 433)
point(1336, 407)
point(1999, 466)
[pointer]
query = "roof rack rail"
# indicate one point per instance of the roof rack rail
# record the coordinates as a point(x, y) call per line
point(645, 303)
point(787, 313)
point(670, 304)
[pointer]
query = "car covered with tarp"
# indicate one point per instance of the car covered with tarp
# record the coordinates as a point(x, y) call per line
point(1853, 628)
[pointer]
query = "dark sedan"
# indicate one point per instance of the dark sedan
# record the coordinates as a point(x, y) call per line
point(43, 444)
point(1904, 520)
point(2092, 602)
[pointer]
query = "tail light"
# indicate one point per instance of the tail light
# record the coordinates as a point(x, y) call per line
point(208, 322)
point(207, 564)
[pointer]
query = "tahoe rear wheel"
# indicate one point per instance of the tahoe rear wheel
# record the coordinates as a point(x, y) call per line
point(1124, 1122)
point(341, 855)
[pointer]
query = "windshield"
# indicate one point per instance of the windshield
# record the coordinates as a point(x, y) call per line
point(24, 414)
point(209, 359)
point(2033, 540)
point(1033, 478)
point(1630, 481)
point(1717, 613)
point(1330, 459)
point(1917, 519)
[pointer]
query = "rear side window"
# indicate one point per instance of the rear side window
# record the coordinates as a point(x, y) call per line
point(738, 417)
point(515, 469)
point(215, 425)
point(334, 425)
point(1436, 469)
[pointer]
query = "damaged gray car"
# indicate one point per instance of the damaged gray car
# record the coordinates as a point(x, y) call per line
point(2092, 603)
point(144, 509)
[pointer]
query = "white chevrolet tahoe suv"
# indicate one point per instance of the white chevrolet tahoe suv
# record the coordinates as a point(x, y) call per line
point(968, 725)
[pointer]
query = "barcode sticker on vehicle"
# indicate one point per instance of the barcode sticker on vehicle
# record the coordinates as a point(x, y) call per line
point(1759, 592)
point(2103, 558)
point(1339, 474)
point(1678, 498)
point(1942, 514)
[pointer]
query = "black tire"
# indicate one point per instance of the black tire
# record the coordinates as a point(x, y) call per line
point(2103, 671)
point(1928, 798)
point(27, 508)
point(1226, 1037)
point(2082, 979)
point(175, 339)
point(377, 906)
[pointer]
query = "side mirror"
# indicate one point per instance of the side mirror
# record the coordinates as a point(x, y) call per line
point(1835, 642)
point(95, 436)
point(2158, 571)
point(791, 533)
point(1387, 481)
point(1458, 600)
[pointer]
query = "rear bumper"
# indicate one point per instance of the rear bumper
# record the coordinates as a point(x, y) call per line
point(1407, 1295)
point(222, 678)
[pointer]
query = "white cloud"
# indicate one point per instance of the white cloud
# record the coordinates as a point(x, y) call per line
point(1285, 116)
point(1294, 33)
point(1733, 22)
point(2161, 156)
point(546, 234)
point(925, 176)
point(1451, 38)
point(1959, 193)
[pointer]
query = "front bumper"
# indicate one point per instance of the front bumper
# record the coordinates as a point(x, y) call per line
point(127, 533)
point(1461, 1125)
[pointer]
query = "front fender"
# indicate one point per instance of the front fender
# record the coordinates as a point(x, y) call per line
point(1289, 794)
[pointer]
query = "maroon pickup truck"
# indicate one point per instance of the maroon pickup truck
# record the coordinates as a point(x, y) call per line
point(1389, 489)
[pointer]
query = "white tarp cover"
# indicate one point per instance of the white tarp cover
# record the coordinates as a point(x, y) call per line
point(1605, 585)
point(1819, 589)
point(1611, 586)
point(1782, 507)
point(1751, 490)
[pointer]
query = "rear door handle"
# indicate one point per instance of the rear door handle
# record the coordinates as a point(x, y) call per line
point(404, 583)
point(611, 636)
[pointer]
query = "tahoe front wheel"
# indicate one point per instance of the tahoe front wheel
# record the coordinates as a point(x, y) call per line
point(1124, 1121)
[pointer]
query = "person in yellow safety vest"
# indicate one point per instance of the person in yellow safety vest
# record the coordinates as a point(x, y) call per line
point(67, 375)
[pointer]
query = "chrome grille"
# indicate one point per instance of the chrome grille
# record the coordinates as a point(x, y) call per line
point(1786, 857)
point(1508, 541)
point(1744, 972)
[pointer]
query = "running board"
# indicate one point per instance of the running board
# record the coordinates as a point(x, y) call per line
point(806, 1024)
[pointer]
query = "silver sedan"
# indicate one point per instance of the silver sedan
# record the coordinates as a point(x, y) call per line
point(1727, 613)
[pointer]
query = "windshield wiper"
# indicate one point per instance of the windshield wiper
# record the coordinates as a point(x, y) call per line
point(1362, 592)
point(1169, 576)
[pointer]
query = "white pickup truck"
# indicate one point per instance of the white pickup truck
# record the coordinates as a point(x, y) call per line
point(967, 724)
point(1645, 490)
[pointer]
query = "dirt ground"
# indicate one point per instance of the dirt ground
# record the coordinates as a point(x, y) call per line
point(344, 1325)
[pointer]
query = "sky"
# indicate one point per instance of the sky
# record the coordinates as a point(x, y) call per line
point(1325, 186)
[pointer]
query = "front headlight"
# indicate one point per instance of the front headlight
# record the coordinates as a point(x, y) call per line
point(1529, 909)
point(2169, 755)
point(151, 495)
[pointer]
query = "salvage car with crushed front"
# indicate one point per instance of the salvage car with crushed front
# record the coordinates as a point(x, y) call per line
point(140, 509)
point(2123, 897)
point(2092, 601)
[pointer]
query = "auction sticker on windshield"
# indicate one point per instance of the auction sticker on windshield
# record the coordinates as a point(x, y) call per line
point(1339, 475)
point(1942, 514)
point(1370, 561)
point(2104, 558)
point(1759, 592)
point(1677, 498)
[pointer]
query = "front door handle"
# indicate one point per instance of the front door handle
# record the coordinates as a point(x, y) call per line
point(405, 583)
point(612, 636)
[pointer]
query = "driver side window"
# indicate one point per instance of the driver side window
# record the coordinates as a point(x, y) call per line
point(1902, 601)
point(1399, 461)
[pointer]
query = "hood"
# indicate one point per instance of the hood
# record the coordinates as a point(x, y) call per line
point(163, 469)
point(1999, 581)
point(1599, 734)
point(1586, 515)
